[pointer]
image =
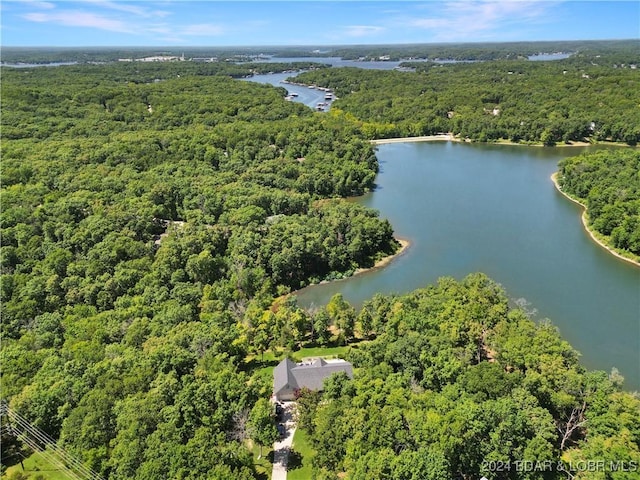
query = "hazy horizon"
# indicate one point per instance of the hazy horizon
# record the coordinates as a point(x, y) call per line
point(303, 46)
point(224, 24)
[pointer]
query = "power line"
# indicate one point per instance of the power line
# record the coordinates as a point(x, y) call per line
point(39, 441)
point(45, 442)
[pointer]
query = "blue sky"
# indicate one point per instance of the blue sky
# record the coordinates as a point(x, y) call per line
point(234, 23)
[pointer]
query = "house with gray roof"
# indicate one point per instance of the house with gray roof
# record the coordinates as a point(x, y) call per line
point(289, 377)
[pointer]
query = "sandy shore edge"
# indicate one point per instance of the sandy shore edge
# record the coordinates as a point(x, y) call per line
point(585, 224)
point(427, 138)
point(448, 137)
point(383, 262)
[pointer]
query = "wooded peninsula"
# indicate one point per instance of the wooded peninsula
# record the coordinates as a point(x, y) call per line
point(608, 186)
point(156, 217)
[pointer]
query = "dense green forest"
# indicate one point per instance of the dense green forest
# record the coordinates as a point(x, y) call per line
point(153, 217)
point(148, 219)
point(570, 100)
point(459, 385)
point(608, 184)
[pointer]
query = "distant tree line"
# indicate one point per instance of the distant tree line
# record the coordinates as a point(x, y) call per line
point(485, 51)
point(478, 51)
point(92, 55)
point(528, 102)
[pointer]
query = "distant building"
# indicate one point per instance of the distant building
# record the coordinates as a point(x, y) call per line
point(290, 377)
point(160, 58)
point(204, 59)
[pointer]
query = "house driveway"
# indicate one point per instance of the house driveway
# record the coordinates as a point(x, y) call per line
point(282, 447)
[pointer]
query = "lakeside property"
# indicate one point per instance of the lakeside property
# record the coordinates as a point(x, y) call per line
point(594, 235)
point(169, 345)
point(483, 207)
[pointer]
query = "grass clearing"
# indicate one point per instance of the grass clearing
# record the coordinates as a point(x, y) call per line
point(36, 466)
point(266, 363)
point(319, 352)
point(301, 456)
point(264, 464)
point(326, 351)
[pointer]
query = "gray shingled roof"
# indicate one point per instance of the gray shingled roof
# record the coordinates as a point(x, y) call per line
point(290, 376)
point(282, 378)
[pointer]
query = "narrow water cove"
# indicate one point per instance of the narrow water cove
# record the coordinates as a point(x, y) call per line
point(494, 209)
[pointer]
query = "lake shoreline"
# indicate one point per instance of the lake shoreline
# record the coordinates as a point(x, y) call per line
point(442, 137)
point(383, 262)
point(448, 137)
point(585, 224)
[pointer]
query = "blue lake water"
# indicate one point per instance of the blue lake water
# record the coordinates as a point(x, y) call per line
point(494, 209)
point(31, 65)
point(309, 96)
point(544, 57)
point(468, 208)
point(337, 62)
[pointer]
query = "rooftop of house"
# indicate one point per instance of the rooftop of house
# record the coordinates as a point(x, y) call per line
point(307, 374)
